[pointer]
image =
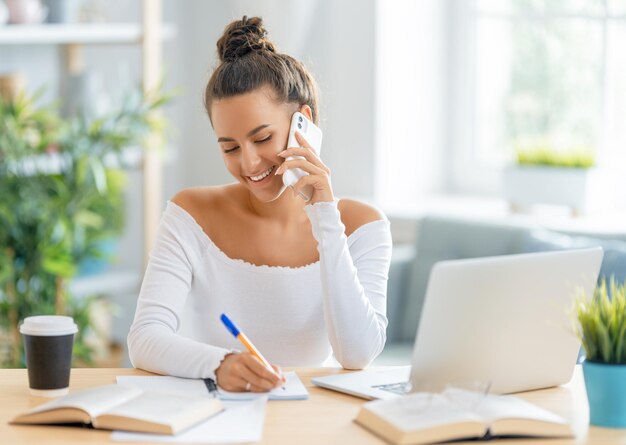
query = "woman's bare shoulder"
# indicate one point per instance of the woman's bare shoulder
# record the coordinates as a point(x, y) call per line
point(202, 202)
point(193, 198)
point(355, 214)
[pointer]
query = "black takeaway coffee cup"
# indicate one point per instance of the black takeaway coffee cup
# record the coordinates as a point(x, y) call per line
point(48, 342)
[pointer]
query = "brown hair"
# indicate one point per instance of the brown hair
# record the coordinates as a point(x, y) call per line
point(248, 61)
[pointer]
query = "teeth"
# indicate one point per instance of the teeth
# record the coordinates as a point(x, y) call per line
point(262, 175)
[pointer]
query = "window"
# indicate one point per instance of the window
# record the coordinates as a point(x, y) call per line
point(531, 72)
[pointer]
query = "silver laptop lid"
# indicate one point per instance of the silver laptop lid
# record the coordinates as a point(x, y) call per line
point(506, 322)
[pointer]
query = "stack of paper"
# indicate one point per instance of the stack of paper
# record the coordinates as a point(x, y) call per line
point(240, 422)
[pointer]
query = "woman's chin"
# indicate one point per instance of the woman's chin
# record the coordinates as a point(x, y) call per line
point(268, 195)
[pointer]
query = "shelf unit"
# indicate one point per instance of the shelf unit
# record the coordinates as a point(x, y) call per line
point(149, 34)
point(120, 283)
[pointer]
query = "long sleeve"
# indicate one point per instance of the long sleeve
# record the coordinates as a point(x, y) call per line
point(354, 284)
point(153, 342)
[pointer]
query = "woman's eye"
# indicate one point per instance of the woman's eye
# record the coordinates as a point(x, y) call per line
point(230, 150)
point(264, 140)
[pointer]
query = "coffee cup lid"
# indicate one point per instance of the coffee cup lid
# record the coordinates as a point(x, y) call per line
point(48, 325)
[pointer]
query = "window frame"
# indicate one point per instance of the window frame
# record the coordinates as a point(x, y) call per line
point(467, 173)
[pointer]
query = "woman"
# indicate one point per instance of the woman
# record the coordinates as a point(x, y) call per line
point(303, 280)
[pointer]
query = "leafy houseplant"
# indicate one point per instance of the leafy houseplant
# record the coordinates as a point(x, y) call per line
point(544, 175)
point(61, 189)
point(602, 331)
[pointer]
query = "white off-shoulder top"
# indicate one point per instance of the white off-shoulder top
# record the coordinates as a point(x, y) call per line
point(298, 316)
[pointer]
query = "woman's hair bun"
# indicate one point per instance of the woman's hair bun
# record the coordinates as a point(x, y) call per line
point(243, 37)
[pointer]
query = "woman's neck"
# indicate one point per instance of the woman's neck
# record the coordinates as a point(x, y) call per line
point(286, 209)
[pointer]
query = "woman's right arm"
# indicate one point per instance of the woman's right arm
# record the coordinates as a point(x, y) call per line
point(153, 342)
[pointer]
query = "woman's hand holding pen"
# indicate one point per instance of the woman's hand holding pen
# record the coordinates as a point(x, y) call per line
point(244, 372)
point(318, 173)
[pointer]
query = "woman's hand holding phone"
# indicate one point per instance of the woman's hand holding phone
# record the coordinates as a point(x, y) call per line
point(318, 173)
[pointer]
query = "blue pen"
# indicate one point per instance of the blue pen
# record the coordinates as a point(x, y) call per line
point(243, 339)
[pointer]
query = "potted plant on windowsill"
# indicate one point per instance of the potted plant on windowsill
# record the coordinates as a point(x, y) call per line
point(543, 175)
point(602, 331)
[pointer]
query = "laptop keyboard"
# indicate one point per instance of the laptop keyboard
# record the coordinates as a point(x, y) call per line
point(396, 388)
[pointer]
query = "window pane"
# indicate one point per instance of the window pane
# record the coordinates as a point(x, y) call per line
point(615, 150)
point(617, 7)
point(537, 82)
point(593, 7)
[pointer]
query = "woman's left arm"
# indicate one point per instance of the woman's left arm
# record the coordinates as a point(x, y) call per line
point(354, 272)
point(354, 276)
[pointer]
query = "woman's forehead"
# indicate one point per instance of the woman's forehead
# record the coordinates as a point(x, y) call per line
point(249, 108)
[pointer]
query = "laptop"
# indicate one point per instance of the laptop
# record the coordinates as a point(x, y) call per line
point(503, 323)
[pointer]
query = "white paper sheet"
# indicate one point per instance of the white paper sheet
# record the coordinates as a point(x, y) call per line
point(292, 390)
point(240, 422)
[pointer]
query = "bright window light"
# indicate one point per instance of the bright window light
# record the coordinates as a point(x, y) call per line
point(548, 73)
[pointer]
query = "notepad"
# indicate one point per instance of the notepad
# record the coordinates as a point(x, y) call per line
point(293, 389)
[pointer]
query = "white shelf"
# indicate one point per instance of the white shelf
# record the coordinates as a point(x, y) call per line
point(55, 163)
point(79, 33)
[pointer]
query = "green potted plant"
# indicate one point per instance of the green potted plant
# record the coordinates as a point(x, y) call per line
point(602, 331)
point(62, 183)
point(541, 174)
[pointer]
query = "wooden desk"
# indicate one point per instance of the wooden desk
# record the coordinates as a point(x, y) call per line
point(326, 418)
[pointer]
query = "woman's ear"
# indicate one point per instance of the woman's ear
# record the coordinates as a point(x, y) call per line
point(306, 110)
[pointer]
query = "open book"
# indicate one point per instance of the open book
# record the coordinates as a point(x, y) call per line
point(423, 418)
point(116, 407)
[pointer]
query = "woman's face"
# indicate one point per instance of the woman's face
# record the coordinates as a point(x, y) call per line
point(252, 129)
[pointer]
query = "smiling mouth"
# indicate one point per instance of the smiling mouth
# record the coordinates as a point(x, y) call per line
point(263, 175)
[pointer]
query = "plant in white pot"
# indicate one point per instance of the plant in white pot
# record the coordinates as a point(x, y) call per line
point(602, 331)
point(544, 175)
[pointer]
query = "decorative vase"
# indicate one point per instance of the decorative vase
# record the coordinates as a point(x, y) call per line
point(64, 11)
point(26, 11)
point(606, 392)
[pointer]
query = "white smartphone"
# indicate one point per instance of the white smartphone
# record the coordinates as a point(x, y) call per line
point(313, 135)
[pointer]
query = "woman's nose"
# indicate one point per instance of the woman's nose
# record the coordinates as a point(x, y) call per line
point(249, 158)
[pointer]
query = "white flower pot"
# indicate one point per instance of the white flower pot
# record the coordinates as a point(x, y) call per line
point(525, 186)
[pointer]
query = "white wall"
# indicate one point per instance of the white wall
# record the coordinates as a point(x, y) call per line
point(410, 100)
point(335, 40)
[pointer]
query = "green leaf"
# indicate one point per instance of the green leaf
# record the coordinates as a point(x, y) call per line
point(602, 322)
point(99, 175)
point(62, 266)
point(89, 219)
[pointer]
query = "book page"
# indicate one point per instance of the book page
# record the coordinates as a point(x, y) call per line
point(495, 407)
point(421, 411)
point(175, 411)
point(94, 401)
point(241, 422)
